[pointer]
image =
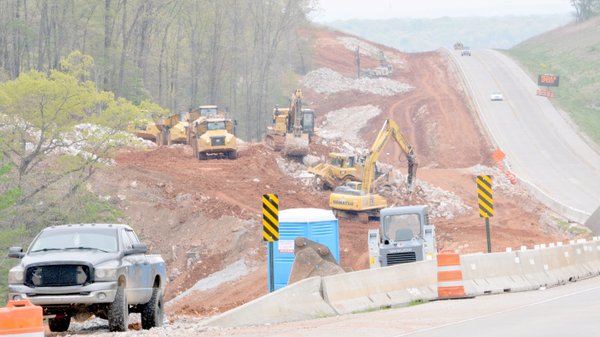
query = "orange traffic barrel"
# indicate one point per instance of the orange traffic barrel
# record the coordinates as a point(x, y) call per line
point(21, 319)
point(450, 281)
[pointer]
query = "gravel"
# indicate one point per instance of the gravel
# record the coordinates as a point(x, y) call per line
point(327, 81)
point(344, 124)
point(370, 50)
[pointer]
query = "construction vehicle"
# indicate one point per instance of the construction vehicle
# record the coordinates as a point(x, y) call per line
point(385, 68)
point(197, 115)
point(292, 128)
point(358, 198)
point(406, 236)
point(339, 169)
point(212, 136)
point(147, 128)
point(173, 129)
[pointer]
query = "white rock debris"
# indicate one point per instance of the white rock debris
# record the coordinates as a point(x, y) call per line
point(327, 81)
point(370, 50)
point(344, 124)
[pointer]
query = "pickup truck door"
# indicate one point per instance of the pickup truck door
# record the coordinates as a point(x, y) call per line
point(139, 285)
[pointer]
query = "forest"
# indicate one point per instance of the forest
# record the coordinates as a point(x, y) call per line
point(74, 73)
point(239, 54)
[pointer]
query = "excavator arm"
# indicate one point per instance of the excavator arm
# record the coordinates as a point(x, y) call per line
point(295, 120)
point(389, 129)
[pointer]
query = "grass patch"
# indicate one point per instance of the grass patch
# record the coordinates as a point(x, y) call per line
point(573, 53)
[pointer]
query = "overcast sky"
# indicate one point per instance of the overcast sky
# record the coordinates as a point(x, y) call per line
point(330, 10)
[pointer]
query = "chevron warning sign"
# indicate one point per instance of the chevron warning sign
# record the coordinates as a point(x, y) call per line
point(270, 217)
point(484, 196)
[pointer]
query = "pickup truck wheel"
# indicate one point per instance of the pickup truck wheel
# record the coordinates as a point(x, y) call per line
point(59, 324)
point(152, 312)
point(118, 311)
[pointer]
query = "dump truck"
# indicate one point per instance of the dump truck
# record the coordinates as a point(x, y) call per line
point(357, 199)
point(145, 128)
point(214, 136)
point(405, 235)
point(292, 128)
point(174, 128)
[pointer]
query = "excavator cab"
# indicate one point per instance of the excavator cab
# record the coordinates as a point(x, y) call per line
point(308, 121)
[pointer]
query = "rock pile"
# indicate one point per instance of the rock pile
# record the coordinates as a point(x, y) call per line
point(326, 81)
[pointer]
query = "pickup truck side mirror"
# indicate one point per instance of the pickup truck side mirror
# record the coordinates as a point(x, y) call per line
point(138, 248)
point(15, 252)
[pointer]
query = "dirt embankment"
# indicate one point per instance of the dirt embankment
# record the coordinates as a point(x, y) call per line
point(204, 217)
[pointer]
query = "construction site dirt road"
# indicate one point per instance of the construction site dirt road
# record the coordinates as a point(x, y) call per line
point(204, 217)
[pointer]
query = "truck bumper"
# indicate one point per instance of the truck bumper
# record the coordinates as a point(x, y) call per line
point(100, 292)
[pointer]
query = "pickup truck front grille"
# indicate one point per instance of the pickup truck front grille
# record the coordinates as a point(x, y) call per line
point(397, 258)
point(57, 275)
point(217, 141)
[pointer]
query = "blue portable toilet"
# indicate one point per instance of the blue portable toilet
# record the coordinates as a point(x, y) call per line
point(319, 225)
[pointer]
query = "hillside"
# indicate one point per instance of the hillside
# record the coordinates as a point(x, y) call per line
point(573, 53)
point(204, 216)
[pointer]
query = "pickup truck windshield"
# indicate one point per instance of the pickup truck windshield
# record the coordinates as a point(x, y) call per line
point(101, 239)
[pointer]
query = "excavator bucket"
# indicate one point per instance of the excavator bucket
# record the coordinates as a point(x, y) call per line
point(296, 146)
point(312, 259)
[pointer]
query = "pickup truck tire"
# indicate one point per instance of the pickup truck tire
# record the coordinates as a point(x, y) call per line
point(118, 311)
point(59, 324)
point(152, 312)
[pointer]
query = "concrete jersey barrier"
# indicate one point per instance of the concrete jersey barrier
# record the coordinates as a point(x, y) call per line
point(401, 284)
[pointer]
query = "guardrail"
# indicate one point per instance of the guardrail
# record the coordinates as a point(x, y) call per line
point(400, 285)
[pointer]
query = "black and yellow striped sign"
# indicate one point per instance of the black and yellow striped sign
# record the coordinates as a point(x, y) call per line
point(484, 196)
point(270, 217)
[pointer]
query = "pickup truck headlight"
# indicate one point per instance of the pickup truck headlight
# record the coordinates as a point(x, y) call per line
point(105, 274)
point(15, 276)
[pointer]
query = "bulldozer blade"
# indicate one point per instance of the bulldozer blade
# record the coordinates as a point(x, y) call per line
point(312, 259)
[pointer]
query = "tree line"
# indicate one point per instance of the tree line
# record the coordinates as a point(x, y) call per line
point(240, 54)
point(73, 73)
point(585, 9)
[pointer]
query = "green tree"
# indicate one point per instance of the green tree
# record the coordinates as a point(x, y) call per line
point(56, 130)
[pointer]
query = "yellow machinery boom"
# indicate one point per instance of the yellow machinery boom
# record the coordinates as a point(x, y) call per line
point(358, 198)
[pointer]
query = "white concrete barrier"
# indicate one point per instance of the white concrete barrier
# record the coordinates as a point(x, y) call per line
point(299, 301)
point(399, 285)
point(532, 268)
point(381, 288)
point(493, 273)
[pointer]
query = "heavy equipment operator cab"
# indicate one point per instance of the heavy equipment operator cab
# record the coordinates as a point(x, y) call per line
point(308, 121)
point(208, 110)
point(406, 236)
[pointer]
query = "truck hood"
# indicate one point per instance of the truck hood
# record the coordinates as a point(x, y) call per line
point(68, 256)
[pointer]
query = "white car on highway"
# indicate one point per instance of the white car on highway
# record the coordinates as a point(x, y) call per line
point(496, 96)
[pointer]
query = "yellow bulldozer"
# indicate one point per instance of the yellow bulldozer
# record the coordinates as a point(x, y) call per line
point(292, 128)
point(357, 198)
point(339, 169)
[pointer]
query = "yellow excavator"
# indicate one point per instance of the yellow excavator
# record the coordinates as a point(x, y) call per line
point(357, 199)
point(291, 128)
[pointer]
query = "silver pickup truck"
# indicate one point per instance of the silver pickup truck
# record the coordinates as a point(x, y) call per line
point(84, 269)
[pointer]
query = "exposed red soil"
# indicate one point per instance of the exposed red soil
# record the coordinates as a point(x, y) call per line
point(208, 212)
